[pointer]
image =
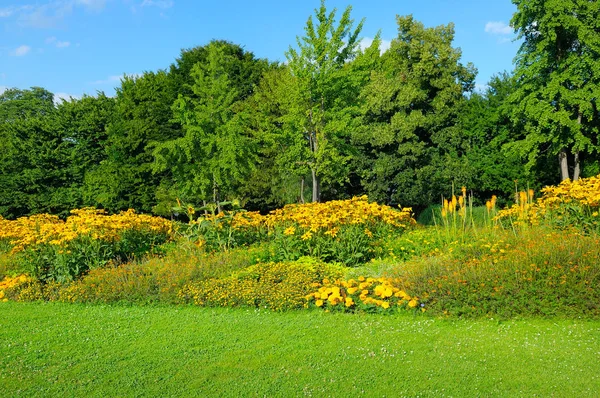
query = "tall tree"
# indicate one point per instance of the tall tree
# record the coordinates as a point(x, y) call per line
point(487, 128)
point(141, 120)
point(215, 153)
point(558, 72)
point(410, 137)
point(34, 154)
point(318, 123)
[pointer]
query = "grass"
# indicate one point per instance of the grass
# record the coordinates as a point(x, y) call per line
point(51, 349)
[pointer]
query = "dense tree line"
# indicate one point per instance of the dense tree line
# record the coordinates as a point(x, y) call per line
point(403, 126)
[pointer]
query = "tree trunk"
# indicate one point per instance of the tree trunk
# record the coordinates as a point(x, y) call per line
point(316, 188)
point(302, 190)
point(577, 167)
point(564, 165)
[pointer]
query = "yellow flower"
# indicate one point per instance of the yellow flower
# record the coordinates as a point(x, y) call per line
point(385, 305)
point(349, 302)
point(413, 303)
point(307, 235)
point(352, 290)
point(289, 231)
point(319, 303)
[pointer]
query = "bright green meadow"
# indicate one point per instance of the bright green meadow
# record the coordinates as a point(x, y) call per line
point(52, 349)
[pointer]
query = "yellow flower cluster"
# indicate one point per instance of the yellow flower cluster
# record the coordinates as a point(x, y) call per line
point(349, 294)
point(327, 217)
point(584, 192)
point(277, 286)
point(11, 286)
point(455, 204)
point(45, 228)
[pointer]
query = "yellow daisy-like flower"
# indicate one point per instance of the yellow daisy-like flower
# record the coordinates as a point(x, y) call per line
point(413, 303)
point(385, 305)
point(319, 303)
point(349, 302)
point(307, 235)
point(289, 231)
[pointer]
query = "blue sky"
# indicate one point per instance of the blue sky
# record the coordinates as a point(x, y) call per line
point(72, 47)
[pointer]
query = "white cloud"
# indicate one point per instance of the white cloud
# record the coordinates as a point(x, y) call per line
point(481, 88)
point(367, 41)
point(60, 97)
point(60, 44)
point(6, 12)
point(498, 28)
point(115, 78)
point(158, 3)
point(21, 51)
point(108, 80)
point(95, 5)
point(51, 13)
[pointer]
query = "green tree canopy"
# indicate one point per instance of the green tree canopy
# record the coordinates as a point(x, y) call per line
point(410, 137)
point(558, 74)
point(319, 119)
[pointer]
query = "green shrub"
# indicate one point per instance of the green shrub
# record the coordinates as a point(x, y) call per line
point(540, 272)
point(277, 286)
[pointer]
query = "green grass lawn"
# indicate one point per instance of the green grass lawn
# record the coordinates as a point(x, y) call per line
point(78, 350)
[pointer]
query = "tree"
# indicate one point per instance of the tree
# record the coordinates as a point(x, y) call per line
point(34, 154)
point(142, 119)
point(318, 126)
point(558, 74)
point(83, 123)
point(487, 128)
point(411, 142)
point(215, 153)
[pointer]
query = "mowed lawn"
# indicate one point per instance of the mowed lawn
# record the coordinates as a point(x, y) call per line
point(109, 351)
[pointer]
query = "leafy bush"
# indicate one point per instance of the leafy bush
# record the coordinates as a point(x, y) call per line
point(540, 272)
point(20, 288)
point(157, 279)
point(54, 250)
point(345, 231)
point(277, 286)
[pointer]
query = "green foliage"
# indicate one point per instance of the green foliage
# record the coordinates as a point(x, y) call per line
point(277, 286)
point(149, 280)
point(411, 143)
point(215, 153)
point(142, 119)
point(49, 262)
point(525, 276)
point(321, 94)
point(558, 74)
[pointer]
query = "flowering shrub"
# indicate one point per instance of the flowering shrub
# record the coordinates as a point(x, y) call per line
point(369, 294)
point(157, 279)
point(571, 203)
point(53, 249)
point(345, 231)
point(539, 272)
point(277, 286)
point(20, 288)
